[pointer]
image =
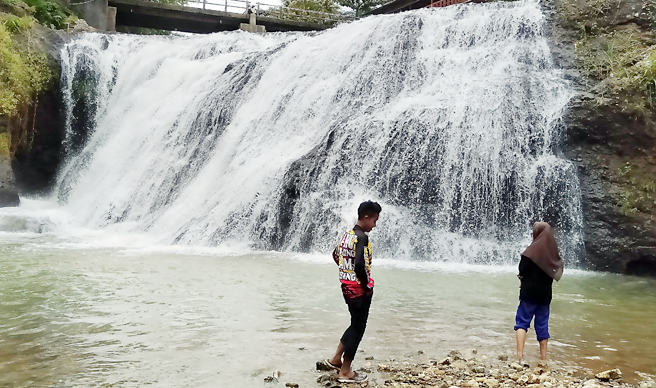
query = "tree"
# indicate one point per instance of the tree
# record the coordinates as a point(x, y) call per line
point(316, 11)
point(361, 6)
point(325, 6)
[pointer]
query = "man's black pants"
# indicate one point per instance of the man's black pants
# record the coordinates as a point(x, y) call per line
point(359, 309)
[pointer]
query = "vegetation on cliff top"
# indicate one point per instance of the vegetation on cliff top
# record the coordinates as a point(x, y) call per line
point(23, 70)
point(617, 50)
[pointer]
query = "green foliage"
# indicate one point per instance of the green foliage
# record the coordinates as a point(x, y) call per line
point(316, 11)
point(23, 70)
point(625, 169)
point(15, 24)
point(325, 6)
point(361, 6)
point(50, 13)
point(625, 64)
point(620, 59)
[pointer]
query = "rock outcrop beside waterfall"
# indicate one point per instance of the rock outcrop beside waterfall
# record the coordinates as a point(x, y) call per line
point(38, 144)
point(606, 48)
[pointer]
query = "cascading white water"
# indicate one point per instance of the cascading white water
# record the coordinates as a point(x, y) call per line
point(447, 117)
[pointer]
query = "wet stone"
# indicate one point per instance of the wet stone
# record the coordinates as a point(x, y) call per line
point(492, 383)
point(609, 374)
point(455, 355)
point(270, 379)
point(326, 380)
point(446, 361)
point(516, 366)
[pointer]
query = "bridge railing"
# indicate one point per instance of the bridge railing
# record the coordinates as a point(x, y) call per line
point(278, 11)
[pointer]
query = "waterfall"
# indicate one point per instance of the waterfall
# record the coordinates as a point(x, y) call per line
point(450, 118)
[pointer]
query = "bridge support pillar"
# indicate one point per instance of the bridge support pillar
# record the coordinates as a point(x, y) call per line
point(96, 13)
point(111, 18)
point(252, 24)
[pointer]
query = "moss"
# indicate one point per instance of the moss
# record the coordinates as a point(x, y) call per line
point(4, 144)
point(23, 70)
point(637, 193)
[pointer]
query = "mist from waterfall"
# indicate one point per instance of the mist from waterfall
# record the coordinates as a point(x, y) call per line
point(450, 118)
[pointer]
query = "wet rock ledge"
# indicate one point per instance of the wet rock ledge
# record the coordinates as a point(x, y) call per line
point(455, 371)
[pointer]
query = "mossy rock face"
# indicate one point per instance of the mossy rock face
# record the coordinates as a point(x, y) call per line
point(30, 103)
point(608, 50)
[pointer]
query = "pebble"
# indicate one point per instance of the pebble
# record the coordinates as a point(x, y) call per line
point(446, 361)
point(592, 384)
point(609, 374)
point(454, 371)
point(492, 383)
point(516, 366)
point(455, 355)
point(471, 384)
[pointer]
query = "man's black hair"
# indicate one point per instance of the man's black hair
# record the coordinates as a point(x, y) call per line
point(368, 208)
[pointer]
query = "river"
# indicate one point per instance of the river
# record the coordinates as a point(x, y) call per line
point(72, 315)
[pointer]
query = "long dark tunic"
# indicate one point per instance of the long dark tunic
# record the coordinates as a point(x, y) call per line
point(536, 284)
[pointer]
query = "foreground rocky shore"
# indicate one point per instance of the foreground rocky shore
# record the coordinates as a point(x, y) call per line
point(455, 371)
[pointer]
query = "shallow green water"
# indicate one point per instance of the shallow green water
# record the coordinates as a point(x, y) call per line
point(86, 317)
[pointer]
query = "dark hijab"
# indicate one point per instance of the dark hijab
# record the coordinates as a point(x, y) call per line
point(543, 251)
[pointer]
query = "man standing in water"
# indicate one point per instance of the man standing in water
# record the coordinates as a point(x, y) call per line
point(353, 255)
point(539, 266)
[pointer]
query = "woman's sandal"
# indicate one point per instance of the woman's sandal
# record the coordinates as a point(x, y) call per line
point(357, 378)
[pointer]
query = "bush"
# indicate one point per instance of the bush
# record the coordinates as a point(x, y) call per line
point(50, 13)
point(23, 71)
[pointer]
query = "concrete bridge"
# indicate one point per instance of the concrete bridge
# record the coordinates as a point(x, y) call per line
point(137, 13)
point(208, 17)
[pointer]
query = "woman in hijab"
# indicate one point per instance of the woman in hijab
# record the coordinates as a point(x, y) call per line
point(539, 266)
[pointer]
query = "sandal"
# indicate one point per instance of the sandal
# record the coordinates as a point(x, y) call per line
point(357, 378)
point(327, 363)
